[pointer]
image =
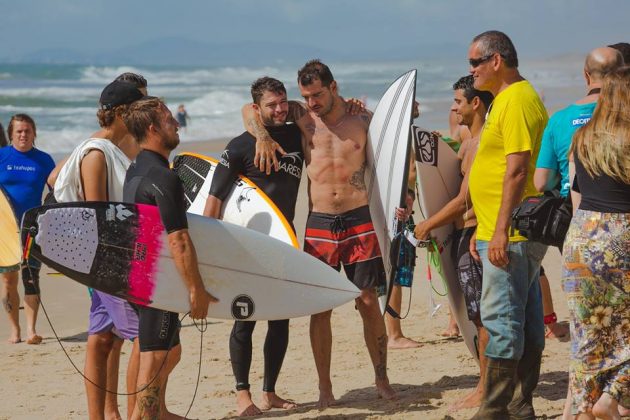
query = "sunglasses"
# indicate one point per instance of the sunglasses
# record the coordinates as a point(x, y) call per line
point(476, 62)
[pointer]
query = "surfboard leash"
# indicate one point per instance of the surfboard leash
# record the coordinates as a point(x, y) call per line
point(201, 327)
point(433, 259)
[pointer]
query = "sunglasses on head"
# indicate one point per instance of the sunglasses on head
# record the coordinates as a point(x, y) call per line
point(475, 62)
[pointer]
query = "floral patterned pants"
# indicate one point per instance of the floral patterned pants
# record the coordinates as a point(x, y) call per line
point(596, 279)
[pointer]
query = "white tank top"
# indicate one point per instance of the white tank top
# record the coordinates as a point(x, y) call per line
point(68, 185)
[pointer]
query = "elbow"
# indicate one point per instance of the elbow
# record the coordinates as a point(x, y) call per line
point(540, 183)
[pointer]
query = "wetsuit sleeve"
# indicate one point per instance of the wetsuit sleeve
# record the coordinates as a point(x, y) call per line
point(169, 197)
point(226, 172)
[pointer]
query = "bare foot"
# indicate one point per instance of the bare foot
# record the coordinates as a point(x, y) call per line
point(623, 411)
point(606, 407)
point(245, 406)
point(167, 415)
point(385, 391)
point(272, 400)
point(36, 339)
point(450, 333)
point(402, 343)
point(112, 416)
point(326, 399)
point(471, 400)
point(14, 339)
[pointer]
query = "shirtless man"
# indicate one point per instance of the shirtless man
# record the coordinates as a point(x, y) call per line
point(335, 163)
point(470, 105)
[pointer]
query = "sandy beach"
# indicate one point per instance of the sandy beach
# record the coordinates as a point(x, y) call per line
point(39, 381)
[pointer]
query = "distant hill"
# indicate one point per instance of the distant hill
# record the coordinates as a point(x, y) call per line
point(179, 51)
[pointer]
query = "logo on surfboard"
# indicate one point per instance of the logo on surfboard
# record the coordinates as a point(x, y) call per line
point(426, 146)
point(118, 211)
point(242, 307)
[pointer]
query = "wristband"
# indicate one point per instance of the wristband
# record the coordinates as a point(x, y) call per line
point(551, 318)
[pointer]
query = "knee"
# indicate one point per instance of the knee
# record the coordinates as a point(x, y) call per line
point(102, 342)
point(174, 357)
point(321, 317)
point(10, 280)
point(367, 299)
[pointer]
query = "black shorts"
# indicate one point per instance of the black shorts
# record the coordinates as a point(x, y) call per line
point(158, 329)
point(469, 271)
point(347, 239)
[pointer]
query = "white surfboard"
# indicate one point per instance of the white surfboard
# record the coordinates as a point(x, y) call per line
point(439, 181)
point(122, 249)
point(246, 205)
point(388, 148)
point(10, 248)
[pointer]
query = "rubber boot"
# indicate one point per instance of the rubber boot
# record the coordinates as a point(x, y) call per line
point(527, 374)
point(498, 390)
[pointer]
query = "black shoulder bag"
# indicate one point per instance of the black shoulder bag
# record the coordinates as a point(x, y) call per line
point(544, 218)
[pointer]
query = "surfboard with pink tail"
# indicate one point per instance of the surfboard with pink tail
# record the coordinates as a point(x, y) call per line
point(122, 249)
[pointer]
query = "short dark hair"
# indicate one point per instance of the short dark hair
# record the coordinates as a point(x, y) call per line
point(315, 70)
point(624, 49)
point(466, 84)
point(134, 78)
point(266, 84)
point(141, 114)
point(22, 118)
point(491, 42)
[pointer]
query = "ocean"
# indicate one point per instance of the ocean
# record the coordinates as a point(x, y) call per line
point(63, 98)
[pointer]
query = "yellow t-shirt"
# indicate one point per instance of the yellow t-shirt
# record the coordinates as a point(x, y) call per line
point(515, 123)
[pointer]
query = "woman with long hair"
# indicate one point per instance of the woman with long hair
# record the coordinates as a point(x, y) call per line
point(596, 267)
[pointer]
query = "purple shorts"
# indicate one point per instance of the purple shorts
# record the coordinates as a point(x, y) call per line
point(109, 313)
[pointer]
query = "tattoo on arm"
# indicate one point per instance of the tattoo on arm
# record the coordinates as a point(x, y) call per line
point(258, 129)
point(149, 402)
point(357, 180)
point(380, 369)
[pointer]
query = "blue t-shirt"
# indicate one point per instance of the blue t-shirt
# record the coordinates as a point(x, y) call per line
point(557, 140)
point(23, 176)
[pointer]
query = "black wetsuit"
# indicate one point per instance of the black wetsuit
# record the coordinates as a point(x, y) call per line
point(282, 187)
point(150, 181)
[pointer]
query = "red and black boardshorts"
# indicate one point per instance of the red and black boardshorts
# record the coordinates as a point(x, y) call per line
point(347, 239)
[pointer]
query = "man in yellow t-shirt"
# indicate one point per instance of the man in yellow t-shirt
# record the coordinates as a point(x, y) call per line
point(501, 176)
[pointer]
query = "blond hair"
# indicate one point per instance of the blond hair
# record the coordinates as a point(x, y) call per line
point(603, 144)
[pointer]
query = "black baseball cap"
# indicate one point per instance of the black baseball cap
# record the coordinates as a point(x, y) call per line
point(119, 93)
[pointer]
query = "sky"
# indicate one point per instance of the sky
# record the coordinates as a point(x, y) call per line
point(365, 28)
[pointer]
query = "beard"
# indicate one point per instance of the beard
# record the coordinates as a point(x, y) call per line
point(170, 142)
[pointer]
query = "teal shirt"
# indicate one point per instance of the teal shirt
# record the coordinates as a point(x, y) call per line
point(557, 138)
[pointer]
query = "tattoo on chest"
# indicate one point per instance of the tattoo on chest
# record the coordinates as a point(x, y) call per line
point(357, 179)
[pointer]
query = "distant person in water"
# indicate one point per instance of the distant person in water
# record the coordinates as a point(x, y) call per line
point(3, 137)
point(182, 117)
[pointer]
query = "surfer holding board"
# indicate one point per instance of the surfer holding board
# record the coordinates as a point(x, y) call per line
point(470, 106)
point(270, 103)
point(155, 129)
point(339, 229)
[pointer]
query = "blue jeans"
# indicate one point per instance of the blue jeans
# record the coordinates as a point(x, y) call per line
point(511, 301)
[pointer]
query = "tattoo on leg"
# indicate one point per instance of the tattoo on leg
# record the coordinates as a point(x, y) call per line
point(357, 179)
point(381, 367)
point(149, 402)
point(6, 303)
